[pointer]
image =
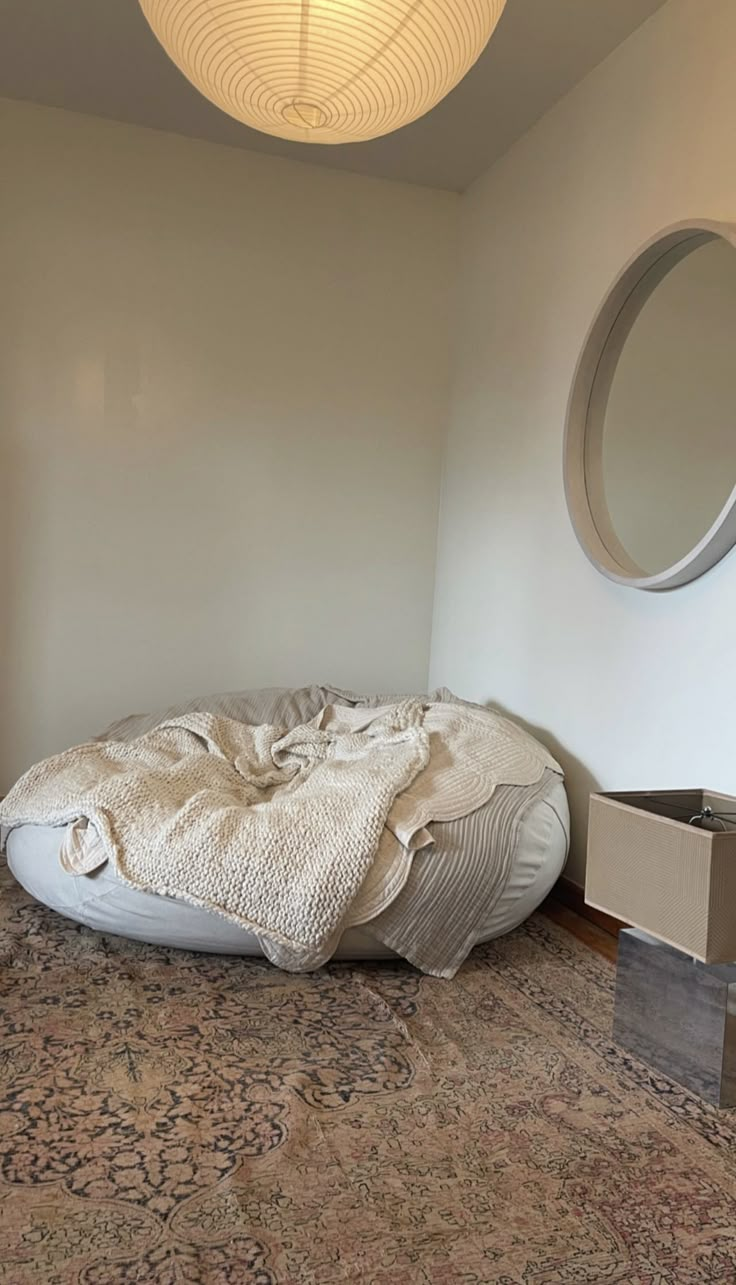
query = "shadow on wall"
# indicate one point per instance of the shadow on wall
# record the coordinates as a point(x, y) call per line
point(11, 605)
point(579, 782)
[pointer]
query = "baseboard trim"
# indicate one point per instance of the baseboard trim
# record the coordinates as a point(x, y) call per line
point(572, 895)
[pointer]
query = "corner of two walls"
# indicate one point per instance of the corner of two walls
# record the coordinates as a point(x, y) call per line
point(630, 690)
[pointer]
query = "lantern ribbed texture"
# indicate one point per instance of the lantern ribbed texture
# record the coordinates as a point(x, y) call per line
point(324, 71)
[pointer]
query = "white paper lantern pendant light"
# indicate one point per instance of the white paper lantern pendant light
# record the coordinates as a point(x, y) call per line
point(324, 71)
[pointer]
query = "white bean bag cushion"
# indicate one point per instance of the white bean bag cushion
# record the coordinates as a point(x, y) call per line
point(103, 902)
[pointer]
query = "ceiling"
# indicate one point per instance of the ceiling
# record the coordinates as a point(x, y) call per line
point(100, 57)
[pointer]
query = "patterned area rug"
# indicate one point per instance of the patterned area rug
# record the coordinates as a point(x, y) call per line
point(178, 1119)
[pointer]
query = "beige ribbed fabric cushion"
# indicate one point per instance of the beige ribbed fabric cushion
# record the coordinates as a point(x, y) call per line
point(453, 887)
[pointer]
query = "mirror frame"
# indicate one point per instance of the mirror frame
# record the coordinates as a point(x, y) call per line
point(591, 385)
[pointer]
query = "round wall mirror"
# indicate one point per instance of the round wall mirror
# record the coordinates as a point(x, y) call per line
point(650, 443)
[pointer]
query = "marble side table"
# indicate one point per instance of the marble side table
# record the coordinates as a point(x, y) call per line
point(677, 1015)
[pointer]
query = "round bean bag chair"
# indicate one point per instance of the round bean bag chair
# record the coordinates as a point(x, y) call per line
point(102, 901)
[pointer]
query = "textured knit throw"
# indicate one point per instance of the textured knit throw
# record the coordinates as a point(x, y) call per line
point(276, 831)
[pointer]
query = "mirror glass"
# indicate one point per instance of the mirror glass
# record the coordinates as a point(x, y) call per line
point(669, 434)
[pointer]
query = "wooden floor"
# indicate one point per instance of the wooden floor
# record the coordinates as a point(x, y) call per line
point(603, 942)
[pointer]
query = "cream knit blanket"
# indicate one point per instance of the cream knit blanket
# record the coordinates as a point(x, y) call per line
point(276, 831)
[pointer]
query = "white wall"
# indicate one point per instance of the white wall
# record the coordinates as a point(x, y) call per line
point(634, 690)
point(223, 388)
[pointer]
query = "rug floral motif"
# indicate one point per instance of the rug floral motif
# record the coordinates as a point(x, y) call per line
point(169, 1118)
